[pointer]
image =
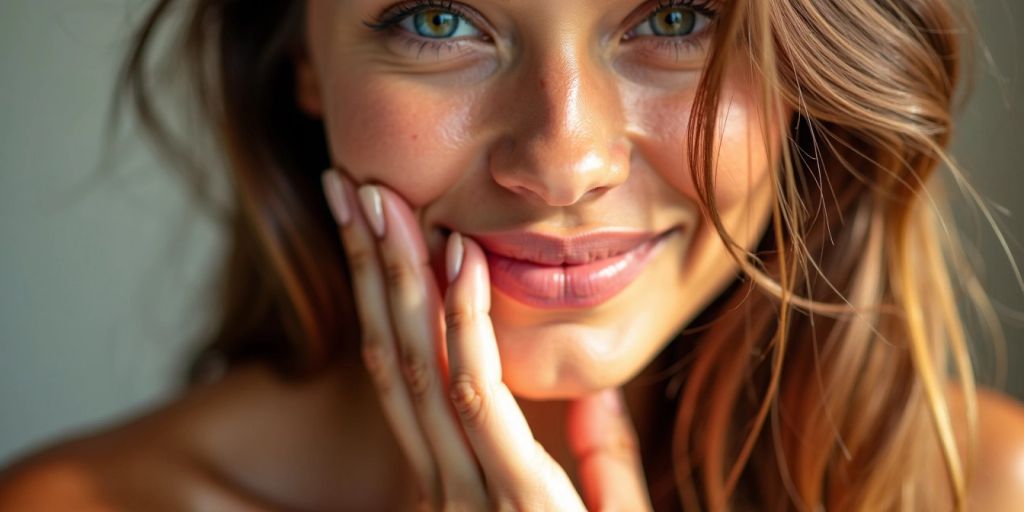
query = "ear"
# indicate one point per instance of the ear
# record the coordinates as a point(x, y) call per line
point(307, 86)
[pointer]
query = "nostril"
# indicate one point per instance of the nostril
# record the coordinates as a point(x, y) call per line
point(559, 197)
point(523, 191)
point(559, 170)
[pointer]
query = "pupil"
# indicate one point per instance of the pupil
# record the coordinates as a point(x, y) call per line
point(674, 22)
point(441, 20)
point(436, 24)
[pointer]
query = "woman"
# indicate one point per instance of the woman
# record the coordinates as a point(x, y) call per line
point(610, 254)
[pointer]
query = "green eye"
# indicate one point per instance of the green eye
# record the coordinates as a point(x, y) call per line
point(435, 23)
point(438, 24)
point(673, 22)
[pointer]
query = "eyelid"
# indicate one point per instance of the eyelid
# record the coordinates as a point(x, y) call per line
point(706, 8)
point(398, 12)
point(700, 25)
point(408, 23)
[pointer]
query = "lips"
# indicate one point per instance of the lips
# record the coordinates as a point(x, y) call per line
point(567, 272)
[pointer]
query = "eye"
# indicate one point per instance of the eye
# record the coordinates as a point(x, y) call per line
point(434, 23)
point(672, 22)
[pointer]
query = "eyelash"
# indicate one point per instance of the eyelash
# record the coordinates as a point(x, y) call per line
point(708, 8)
point(392, 16)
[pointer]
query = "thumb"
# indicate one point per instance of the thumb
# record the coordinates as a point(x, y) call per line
point(607, 453)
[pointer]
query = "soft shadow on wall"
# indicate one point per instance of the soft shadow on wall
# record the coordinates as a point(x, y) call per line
point(989, 146)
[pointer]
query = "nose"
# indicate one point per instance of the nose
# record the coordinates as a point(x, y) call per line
point(563, 139)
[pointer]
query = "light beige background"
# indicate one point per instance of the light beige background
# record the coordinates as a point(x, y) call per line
point(102, 279)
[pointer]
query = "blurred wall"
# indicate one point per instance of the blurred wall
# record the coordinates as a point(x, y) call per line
point(989, 145)
point(102, 279)
point(101, 269)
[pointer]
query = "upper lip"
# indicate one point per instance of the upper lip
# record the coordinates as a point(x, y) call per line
point(544, 249)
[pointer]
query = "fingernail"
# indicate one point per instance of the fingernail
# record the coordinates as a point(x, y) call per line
point(454, 255)
point(373, 207)
point(334, 189)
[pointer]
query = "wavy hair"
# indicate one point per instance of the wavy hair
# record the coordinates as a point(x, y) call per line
point(818, 379)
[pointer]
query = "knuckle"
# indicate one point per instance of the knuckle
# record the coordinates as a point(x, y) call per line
point(378, 358)
point(399, 274)
point(467, 398)
point(622, 446)
point(372, 334)
point(627, 444)
point(361, 258)
point(418, 375)
point(460, 318)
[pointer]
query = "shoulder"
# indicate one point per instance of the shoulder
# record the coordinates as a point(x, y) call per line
point(998, 479)
point(149, 462)
point(108, 471)
point(54, 480)
point(114, 471)
point(247, 442)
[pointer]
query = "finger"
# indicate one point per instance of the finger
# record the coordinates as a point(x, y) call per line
point(378, 345)
point(515, 464)
point(415, 309)
point(605, 445)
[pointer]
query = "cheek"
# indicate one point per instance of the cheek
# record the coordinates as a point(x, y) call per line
point(742, 158)
point(395, 134)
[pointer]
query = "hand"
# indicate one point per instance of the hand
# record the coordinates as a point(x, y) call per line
point(438, 375)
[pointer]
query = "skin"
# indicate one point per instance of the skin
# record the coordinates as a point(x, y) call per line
point(554, 125)
point(545, 119)
point(557, 126)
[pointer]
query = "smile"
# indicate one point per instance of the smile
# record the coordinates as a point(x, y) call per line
point(553, 272)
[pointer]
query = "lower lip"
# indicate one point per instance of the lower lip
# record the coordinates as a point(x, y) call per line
point(570, 286)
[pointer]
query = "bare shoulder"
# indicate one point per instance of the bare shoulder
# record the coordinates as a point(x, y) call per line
point(998, 482)
point(147, 462)
point(124, 468)
point(109, 471)
point(57, 479)
point(249, 442)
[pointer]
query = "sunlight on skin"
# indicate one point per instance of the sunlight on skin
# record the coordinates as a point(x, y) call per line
point(552, 127)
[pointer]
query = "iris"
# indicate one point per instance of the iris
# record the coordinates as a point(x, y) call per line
point(435, 23)
point(673, 22)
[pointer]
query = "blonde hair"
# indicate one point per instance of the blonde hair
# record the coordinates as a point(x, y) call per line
point(828, 387)
point(821, 381)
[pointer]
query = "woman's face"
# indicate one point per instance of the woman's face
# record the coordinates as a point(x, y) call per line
point(504, 119)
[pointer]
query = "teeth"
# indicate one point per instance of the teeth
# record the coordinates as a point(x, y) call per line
point(535, 255)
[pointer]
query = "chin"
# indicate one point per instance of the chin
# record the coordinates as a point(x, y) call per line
point(561, 360)
point(549, 379)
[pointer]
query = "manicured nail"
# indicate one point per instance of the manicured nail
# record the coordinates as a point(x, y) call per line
point(373, 208)
point(336, 198)
point(454, 255)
